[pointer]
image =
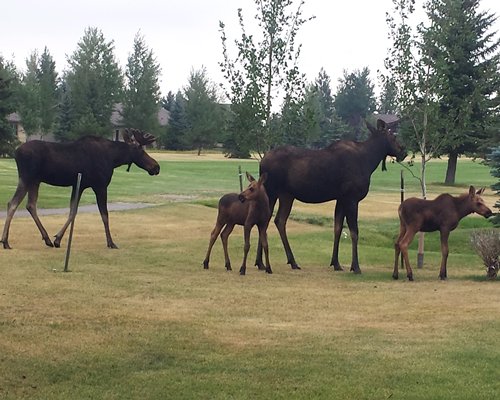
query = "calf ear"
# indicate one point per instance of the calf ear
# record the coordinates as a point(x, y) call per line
point(250, 177)
point(472, 191)
point(480, 191)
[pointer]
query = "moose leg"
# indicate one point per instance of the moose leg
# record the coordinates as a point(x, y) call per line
point(247, 229)
point(224, 237)
point(281, 217)
point(72, 210)
point(265, 246)
point(11, 209)
point(258, 259)
point(31, 207)
point(338, 224)
point(213, 238)
point(444, 254)
point(352, 222)
point(101, 195)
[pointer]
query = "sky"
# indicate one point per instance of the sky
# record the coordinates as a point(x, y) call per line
point(184, 34)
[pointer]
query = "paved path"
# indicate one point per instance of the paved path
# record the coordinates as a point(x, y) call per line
point(90, 208)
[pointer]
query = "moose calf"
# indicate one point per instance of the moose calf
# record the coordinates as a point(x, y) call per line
point(249, 208)
point(441, 214)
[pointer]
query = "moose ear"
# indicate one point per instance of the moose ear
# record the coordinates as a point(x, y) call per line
point(250, 177)
point(472, 191)
point(263, 178)
point(381, 125)
point(370, 127)
point(480, 191)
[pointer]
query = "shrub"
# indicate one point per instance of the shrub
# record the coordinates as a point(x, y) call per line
point(486, 243)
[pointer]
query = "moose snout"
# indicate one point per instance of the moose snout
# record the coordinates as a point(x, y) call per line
point(155, 170)
point(402, 155)
point(488, 213)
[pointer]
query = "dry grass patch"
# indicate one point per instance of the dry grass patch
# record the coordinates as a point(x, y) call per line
point(147, 320)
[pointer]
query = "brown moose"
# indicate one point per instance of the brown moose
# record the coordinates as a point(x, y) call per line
point(441, 214)
point(341, 172)
point(249, 208)
point(58, 164)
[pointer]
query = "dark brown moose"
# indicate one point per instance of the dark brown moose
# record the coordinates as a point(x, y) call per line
point(249, 208)
point(441, 214)
point(58, 164)
point(340, 171)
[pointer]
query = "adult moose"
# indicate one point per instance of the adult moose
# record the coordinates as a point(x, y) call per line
point(441, 214)
point(58, 164)
point(340, 171)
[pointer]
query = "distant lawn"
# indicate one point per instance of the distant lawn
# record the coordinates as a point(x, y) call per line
point(210, 177)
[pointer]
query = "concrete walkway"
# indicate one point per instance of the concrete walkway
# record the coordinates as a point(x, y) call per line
point(90, 208)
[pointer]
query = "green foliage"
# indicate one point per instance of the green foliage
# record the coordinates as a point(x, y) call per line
point(494, 162)
point(142, 92)
point(173, 138)
point(8, 140)
point(262, 72)
point(94, 84)
point(39, 95)
point(465, 58)
point(204, 114)
point(355, 100)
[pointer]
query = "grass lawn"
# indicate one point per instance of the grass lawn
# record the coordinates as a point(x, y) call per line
point(147, 322)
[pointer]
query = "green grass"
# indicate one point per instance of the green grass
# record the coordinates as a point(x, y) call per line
point(147, 322)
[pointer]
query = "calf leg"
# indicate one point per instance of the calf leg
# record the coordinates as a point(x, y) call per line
point(31, 207)
point(444, 254)
point(11, 209)
point(225, 237)
point(403, 245)
point(258, 259)
point(246, 248)
point(397, 250)
point(265, 246)
point(213, 238)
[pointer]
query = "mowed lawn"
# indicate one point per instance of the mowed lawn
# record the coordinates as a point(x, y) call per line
point(147, 322)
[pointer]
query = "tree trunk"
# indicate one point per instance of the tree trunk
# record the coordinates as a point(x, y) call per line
point(451, 169)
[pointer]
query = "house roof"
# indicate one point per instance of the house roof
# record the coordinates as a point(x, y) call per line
point(116, 118)
point(14, 118)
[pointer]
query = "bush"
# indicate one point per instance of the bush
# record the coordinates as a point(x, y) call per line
point(486, 243)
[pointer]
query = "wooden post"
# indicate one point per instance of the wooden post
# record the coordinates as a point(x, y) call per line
point(74, 209)
point(402, 180)
point(241, 178)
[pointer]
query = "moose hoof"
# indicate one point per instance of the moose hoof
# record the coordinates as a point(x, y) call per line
point(228, 267)
point(356, 271)
point(294, 266)
point(242, 272)
point(410, 278)
point(49, 243)
point(269, 270)
point(205, 264)
point(395, 277)
point(6, 245)
point(112, 246)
